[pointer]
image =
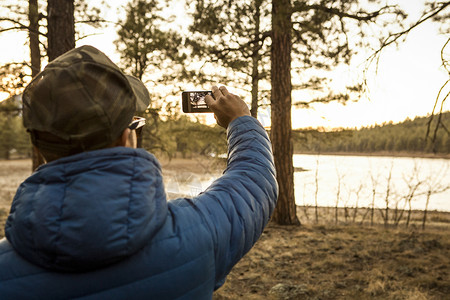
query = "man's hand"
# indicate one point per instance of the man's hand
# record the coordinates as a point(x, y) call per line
point(226, 107)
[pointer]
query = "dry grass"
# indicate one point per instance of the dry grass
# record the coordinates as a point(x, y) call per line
point(343, 262)
point(362, 216)
point(348, 260)
point(12, 173)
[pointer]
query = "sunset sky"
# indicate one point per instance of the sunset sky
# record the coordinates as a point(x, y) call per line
point(408, 80)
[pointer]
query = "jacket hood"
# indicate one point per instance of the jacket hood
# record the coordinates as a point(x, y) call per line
point(88, 210)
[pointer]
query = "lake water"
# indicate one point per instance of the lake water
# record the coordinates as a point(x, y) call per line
point(354, 179)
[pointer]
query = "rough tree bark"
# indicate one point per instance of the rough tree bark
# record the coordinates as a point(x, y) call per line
point(35, 53)
point(35, 56)
point(61, 27)
point(281, 129)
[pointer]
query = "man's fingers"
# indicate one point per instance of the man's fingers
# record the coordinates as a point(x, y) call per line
point(209, 100)
point(224, 91)
point(216, 92)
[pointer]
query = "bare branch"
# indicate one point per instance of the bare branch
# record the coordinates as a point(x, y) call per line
point(21, 25)
point(87, 35)
point(439, 121)
point(11, 28)
point(392, 38)
point(445, 62)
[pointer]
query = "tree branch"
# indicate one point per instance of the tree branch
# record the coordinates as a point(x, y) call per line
point(341, 98)
point(94, 21)
point(20, 26)
point(439, 122)
point(87, 35)
point(392, 38)
point(11, 28)
point(262, 38)
point(14, 22)
point(300, 6)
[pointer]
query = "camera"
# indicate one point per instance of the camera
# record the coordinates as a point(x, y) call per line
point(194, 101)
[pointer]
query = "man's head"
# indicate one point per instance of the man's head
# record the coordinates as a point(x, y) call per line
point(81, 101)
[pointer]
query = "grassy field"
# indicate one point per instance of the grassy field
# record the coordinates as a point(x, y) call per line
point(12, 173)
point(325, 260)
point(345, 261)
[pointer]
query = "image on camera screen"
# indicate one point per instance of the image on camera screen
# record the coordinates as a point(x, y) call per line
point(197, 99)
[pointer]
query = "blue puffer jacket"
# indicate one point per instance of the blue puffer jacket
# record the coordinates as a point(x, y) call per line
point(97, 225)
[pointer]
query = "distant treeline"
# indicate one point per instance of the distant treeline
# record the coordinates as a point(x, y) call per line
point(14, 140)
point(408, 136)
point(179, 135)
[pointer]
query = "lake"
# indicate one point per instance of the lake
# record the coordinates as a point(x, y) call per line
point(352, 181)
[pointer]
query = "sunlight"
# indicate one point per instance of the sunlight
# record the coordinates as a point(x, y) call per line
point(3, 96)
point(406, 85)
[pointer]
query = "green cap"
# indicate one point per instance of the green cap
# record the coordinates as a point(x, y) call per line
point(83, 99)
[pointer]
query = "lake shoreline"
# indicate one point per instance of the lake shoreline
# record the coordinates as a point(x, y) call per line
point(361, 215)
point(379, 154)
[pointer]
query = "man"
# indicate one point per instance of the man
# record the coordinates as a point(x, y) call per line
point(94, 223)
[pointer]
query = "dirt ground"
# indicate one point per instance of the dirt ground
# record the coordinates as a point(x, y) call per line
point(343, 262)
point(324, 260)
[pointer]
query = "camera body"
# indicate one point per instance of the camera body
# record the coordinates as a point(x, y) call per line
point(194, 101)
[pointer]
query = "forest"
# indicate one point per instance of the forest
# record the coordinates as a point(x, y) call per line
point(266, 49)
point(409, 136)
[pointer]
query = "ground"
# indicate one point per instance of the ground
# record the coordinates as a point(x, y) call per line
point(343, 262)
point(350, 259)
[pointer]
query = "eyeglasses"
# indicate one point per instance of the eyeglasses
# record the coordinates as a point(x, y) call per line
point(137, 122)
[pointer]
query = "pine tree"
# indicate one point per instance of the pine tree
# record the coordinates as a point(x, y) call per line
point(234, 35)
point(143, 45)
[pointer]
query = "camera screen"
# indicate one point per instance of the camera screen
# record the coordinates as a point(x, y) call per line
point(197, 99)
point(194, 101)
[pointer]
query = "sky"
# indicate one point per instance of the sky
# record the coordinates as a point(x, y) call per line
point(407, 83)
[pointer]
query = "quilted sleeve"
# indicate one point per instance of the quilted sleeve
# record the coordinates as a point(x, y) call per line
point(238, 205)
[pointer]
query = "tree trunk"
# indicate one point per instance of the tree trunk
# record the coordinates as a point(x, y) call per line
point(285, 212)
point(386, 217)
point(255, 89)
point(408, 218)
point(424, 220)
point(61, 27)
point(60, 39)
point(35, 56)
point(372, 207)
point(35, 52)
point(256, 57)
